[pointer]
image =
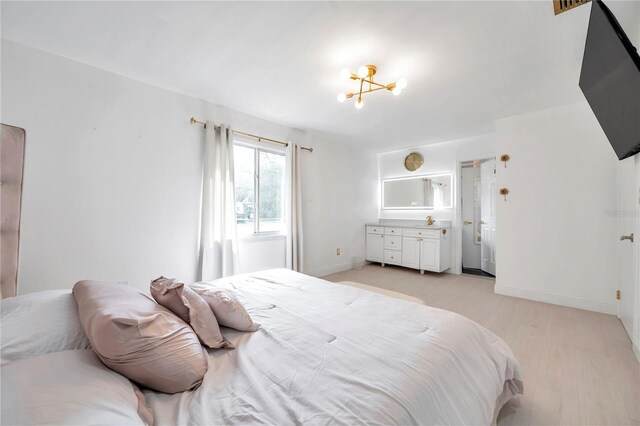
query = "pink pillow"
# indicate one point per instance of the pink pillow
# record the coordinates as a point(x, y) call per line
point(138, 338)
point(227, 308)
point(191, 308)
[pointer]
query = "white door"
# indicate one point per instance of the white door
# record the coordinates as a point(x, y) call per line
point(627, 203)
point(410, 252)
point(488, 216)
point(470, 210)
point(375, 247)
point(429, 254)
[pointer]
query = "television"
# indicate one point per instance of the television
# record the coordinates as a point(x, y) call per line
point(610, 80)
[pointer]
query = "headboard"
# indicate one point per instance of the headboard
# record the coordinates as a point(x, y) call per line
point(12, 141)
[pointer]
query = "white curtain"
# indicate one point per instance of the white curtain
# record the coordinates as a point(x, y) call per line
point(218, 236)
point(294, 209)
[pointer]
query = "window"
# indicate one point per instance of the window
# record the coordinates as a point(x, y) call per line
point(259, 185)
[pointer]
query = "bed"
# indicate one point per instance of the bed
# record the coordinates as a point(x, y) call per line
point(333, 354)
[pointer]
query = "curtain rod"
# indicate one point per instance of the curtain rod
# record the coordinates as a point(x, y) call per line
point(259, 138)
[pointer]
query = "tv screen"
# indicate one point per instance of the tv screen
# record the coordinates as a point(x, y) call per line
point(610, 80)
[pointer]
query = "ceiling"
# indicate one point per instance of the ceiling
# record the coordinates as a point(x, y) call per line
point(467, 63)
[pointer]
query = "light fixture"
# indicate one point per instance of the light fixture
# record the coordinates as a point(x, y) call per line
point(364, 76)
point(345, 74)
point(363, 72)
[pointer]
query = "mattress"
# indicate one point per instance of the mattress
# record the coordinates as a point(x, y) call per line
point(333, 354)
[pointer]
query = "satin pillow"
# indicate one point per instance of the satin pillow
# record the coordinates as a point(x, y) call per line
point(140, 339)
point(40, 323)
point(69, 388)
point(227, 308)
point(191, 308)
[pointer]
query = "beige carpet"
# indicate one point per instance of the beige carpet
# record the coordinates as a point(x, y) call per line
point(382, 291)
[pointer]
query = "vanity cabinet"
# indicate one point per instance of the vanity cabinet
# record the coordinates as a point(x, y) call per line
point(375, 247)
point(416, 248)
point(411, 251)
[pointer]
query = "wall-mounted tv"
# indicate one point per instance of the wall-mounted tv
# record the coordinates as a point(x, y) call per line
point(610, 80)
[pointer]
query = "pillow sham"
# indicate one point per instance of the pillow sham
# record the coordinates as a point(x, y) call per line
point(191, 308)
point(39, 323)
point(69, 388)
point(226, 307)
point(138, 338)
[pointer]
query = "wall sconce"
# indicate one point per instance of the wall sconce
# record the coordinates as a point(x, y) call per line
point(504, 158)
point(504, 192)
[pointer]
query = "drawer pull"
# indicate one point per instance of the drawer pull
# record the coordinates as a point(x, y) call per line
point(391, 242)
point(392, 257)
point(419, 233)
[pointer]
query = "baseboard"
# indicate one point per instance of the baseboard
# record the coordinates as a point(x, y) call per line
point(557, 299)
point(328, 270)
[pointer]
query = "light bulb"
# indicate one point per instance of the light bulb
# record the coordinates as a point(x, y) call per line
point(342, 97)
point(363, 72)
point(359, 103)
point(396, 91)
point(402, 83)
point(345, 74)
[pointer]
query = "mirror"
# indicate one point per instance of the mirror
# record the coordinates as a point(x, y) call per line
point(419, 192)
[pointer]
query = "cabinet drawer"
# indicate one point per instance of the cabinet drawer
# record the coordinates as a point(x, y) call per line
point(392, 231)
point(392, 257)
point(392, 242)
point(375, 229)
point(421, 233)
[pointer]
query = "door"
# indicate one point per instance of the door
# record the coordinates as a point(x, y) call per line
point(429, 254)
point(470, 217)
point(411, 252)
point(488, 215)
point(375, 247)
point(627, 202)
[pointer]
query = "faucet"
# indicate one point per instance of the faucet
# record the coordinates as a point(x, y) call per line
point(430, 220)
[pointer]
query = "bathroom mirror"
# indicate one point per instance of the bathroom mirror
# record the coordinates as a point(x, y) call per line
point(418, 192)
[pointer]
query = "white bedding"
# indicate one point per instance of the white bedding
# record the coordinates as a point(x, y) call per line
point(332, 354)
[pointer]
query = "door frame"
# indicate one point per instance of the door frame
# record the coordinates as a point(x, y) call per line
point(457, 241)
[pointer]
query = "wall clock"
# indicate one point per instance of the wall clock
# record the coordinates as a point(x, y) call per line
point(413, 161)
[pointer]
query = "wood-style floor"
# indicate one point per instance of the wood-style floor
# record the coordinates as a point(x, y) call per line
point(578, 366)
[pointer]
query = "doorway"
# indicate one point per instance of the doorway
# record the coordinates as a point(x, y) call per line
point(478, 200)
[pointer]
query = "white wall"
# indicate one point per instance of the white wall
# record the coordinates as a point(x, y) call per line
point(113, 178)
point(112, 173)
point(438, 158)
point(339, 197)
point(259, 253)
point(555, 242)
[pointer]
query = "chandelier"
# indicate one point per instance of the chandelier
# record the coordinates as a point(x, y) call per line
point(364, 77)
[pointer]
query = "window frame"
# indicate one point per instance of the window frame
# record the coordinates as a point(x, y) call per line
point(240, 141)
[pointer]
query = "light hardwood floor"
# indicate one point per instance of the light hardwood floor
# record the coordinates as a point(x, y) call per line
point(578, 366)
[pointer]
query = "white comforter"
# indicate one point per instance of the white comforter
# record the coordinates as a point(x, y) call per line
point(332, 354)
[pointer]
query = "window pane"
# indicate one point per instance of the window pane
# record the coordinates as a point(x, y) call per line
point(244, 173)
point(271, 192)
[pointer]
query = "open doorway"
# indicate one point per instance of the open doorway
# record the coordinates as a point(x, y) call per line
point(478, 202)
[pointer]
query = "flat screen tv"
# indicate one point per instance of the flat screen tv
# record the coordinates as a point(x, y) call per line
point(610, 80)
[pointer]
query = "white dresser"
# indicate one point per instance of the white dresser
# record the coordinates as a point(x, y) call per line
point(427, 248)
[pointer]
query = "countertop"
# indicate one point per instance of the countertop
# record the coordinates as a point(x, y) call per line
point(401, 224)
